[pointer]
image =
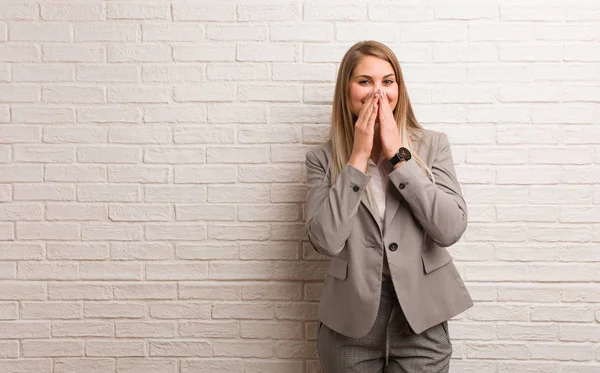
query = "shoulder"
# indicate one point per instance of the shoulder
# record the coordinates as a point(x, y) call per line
point(428, 135)
point(319, 154)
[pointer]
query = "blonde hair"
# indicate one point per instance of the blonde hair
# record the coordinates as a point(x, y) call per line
point(341, 134)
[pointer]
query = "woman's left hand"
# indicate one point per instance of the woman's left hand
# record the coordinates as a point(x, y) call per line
point(388, 128)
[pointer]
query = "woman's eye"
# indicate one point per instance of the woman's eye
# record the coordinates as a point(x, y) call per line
point(363, 81)
point(389, 81)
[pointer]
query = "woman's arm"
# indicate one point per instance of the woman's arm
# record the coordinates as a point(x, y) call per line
point(330, 209)
point(440, 208)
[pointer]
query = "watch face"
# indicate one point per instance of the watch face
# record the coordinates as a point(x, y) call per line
point(404, 153)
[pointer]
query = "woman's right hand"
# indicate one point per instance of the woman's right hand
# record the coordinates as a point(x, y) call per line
point(364, 132)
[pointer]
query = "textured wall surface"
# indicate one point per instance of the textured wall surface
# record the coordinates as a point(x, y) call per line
point(152, 178)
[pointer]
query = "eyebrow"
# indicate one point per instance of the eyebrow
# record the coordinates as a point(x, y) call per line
point(367, 76)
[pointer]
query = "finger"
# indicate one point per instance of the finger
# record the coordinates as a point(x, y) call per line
point(367, 110)
point(373, 116)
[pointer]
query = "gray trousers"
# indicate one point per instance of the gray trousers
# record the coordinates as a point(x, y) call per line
point(391, 346)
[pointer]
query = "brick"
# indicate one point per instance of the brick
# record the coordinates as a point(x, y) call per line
point(137, 174)
point(180, 349)
point(270, 134)
point(72, 12)
point(236, 32)
point(76, 251)
point(141, 11)
point(205, 174)
point(269, 12)
point(73, 53)
point(313, 32)
point(117, 154)
point(86, 173)
point(108, 193)
point(204, 92)
point(176, 271)
point(276, 251)
point(214, 134)
point(187, 310)
point(107, 73)
point(173, 73)
point(149, 329)
point(274, 366)
point(108, 114)
point(346, 32)
point(211, 365)
point(206, 212)
point(73, 365)
point(81, 134)
point(204, 12)
point(242, 232)
point(50, 310)
point(234, 72)
point(174, 114)
point(106, 32)
point(530, 13)
point(141, 251)
point(19, 11)
point(271, 329)
point(79, 291)
point(146, 364)
point(44, 153)
point(215, 54)
point(144, 291)
point(243, 349)
point(148, 52)
point(513, 351)
point(272, 291)
point(271, 51)
point(113, 310)
point(210, 291)
point(47, 72)
point(110, 271)
point(130, 135)
point(52, 348)
point(174, 193)
point(115, 348)
point(44, 192)
point(137, 94)
point(19, 93)
point(19, 53)
point(179, 32)
point(48, 231)
point(83, 329)
point(42, 115)
point(30, 31)
point(19, 290)
point(296, 349)
point(339, 12)
point(111, 232)
point(21, 211)
point(178, 232)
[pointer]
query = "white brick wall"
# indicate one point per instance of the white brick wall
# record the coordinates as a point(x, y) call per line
point(152, 181)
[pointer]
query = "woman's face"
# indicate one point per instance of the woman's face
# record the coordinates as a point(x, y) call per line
point(370, 75)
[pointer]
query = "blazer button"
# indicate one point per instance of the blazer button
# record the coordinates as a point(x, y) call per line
point(401, 185)
point(393, 246)
point(356, 188)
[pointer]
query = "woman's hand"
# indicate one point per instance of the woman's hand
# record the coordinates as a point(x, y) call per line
point(388, 128)
point(364, 132)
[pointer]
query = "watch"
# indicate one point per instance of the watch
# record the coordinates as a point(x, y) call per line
point(403, 154)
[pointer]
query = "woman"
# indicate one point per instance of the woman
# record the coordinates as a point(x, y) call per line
point(384, 202)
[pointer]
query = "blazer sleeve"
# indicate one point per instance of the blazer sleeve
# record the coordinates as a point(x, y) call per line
point(331, 209)
point(440, 208)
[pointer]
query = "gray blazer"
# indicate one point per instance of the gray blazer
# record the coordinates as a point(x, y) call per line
point(421, 220)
